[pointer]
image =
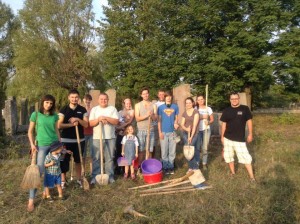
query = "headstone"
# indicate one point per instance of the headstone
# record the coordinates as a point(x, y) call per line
point(95, 95)
point(215, 127)
point(180, 93)
point(112, 97)
point(243, 100)
point(24, 112)
point(11, 116)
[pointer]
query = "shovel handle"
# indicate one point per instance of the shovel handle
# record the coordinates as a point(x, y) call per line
point(101, 148)
point(80, 151)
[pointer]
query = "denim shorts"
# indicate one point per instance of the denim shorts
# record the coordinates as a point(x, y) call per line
point(142, 137)
point(52, 180)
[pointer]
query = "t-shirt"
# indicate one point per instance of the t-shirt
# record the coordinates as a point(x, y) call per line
point(69, 134)
point(89, 130)
point(204, 111)
point(235, 119)
point(108, 131)
point(189, 120)
point(45, 128)
point(158, 104)
point(168, 115)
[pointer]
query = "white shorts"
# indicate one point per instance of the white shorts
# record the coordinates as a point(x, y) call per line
point(239, 148)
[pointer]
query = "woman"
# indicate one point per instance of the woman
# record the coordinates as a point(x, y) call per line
point(126, 117)
point(206, 118)
point(44, 124)
point(189, 124)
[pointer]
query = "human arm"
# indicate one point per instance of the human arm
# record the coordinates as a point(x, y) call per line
point(223, 128)
point(123, 150)
point(182, 124)
point(62, 125)
point(194, 130)
point(138, 117)
point(250, 128)
point(76, 120)
point(31, 136)
point(57, 131)
point(51, 163)
point(161, 135)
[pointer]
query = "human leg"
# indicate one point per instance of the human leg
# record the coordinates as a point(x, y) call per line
point(172, 151)
point(109, 150)
point(141, 135)
point(41, 155)
point(96, 157)
point(164, 152)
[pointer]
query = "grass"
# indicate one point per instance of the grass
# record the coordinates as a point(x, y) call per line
point(275, 198)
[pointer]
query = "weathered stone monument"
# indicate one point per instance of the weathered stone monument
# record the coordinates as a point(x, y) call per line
point(11, 116)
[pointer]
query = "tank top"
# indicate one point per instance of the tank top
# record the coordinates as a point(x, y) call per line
point(143, 125)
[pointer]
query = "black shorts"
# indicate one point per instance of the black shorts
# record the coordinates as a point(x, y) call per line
point(73, 147)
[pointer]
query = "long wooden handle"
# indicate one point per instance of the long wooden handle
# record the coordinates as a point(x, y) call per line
point(185, 177)
point(80, 151)
point(168, 192)
point(167, 186)
point(101, 148)
point(33, 158)
point(150, 185)
point(148, 138)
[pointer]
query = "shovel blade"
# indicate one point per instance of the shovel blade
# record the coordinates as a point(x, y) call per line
point(102, 179)
point(188, 152)
point(197, 178)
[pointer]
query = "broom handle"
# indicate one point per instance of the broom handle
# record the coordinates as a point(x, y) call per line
point(168, 192)
point(167, 186)
point(33, 158)
point(80, 151)
point(148, 138)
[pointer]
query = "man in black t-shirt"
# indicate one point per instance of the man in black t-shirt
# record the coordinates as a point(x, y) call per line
point(234, 120)
point(70, 116)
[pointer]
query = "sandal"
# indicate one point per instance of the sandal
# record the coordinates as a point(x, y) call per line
point(133, 176)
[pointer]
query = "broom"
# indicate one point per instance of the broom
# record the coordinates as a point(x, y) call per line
point(31, 177)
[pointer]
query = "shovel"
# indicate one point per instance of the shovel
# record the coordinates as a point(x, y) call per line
point(148, 139)
point(101, 179)
point(188, 150)
point(197, 178)
point(86, 185)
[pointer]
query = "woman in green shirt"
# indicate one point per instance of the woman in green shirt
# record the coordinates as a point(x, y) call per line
point(44, 124)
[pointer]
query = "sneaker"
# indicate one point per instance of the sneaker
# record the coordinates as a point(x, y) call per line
point(93, 181)
point(49, 199)
point(63, 185)
point(125, 176)
point(202, 186)
point(111, 180)
point(133, 176)
point(79, 182)
point(61, 198)
point(171, 171)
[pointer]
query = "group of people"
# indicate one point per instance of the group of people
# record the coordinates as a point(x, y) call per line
point(56, 138)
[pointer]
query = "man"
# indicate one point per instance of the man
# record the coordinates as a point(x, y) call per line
point(88, 133)
point(108, 117)
point(160, 101)
point(167, 124)
point(234, 120)
point(70, 116)
point(145, 112)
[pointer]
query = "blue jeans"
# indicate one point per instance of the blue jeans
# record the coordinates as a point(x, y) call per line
point(40, 159)
point(168, 150)
point(194, 162)
point(108, 152)
point(202, 144)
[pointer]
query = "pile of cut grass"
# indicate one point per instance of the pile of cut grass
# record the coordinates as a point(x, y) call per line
point(275, 198)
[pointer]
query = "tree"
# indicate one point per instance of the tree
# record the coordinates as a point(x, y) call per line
point(53, 47)
point(6, 51)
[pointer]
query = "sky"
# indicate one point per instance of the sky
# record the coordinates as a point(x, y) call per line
point(18, 4)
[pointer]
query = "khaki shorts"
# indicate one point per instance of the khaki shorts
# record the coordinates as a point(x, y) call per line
point(239, 148)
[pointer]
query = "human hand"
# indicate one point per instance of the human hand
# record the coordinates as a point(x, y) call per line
point(161, 135)
point(69, 152)
point(123, 154)
point(249, 138)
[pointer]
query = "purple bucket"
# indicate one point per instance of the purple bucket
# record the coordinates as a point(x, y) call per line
point(151, 166)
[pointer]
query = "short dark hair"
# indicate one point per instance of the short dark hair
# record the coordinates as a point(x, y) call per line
point(88, 97)
point(143, 89)
point(233, 93)
point(168, 93)
point(73, 91)
point(47, 97)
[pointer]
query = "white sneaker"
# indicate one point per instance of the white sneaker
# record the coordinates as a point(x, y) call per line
point(93, 181)
point(80, 184)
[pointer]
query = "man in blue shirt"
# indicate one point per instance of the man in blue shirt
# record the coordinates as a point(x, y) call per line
point(167, 124)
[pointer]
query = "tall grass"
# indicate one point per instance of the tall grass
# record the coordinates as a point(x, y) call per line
point(275, 198)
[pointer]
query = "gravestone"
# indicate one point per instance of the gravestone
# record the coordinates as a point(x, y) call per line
point(11, 116)
point(111, 97)
point(95, 95)
point(180, 93)
point(24, 112)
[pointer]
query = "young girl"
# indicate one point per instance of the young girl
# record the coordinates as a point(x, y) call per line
point(129, 150)
point(53, 171)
